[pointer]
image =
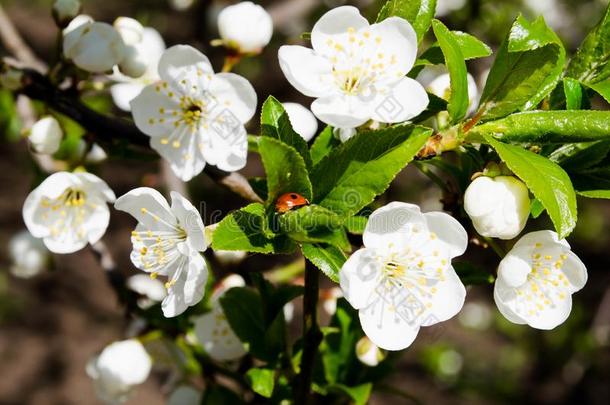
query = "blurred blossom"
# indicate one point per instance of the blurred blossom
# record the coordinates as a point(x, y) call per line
point(118, 369)
point(28, 255)
point(435, 79)
point(94, 155)
point(245, 27)
point(302, 120)
point(368, 353)
point(446, 7)
point(403, 279)
point(329, 299)
point(475, 315)
point(151, 290)
point(137, 60)
point(212, 330)
point(554, 12)
point(94, 46)
point(68, 210)
point(77, 22)
point(498, 207)
point(149, 50)
point(344, 133)
point(350, 91)
point(288, 311)
point(536, 280)
point(450, 363)
point(185, 395)
point(65, 10)
point(167, 242)
point(45, 135)
point(230, 257)
point(193, 116)
point(180, 5)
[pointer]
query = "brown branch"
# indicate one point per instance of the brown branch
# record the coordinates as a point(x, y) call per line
point(15, 44)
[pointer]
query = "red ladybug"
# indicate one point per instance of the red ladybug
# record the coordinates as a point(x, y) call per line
point(288, 201)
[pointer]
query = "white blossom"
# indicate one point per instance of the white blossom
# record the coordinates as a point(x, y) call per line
point(446, 7)
point(65, 10)
point(212, 330)
point(230, 257)
point(167, 242)
point(185, 395)
point(76, 22)
point(135, 62)
point(498, 206)
point(245, 27)
point(28, 255)
point(368, 353)
point(302, 120)
point(403, 279)
point(149, 51)
point(94, 46)
point(151, 290)
point(118, 369)
point(329, 299)
point(344, 133)
point(194, 116)
point(536, 280)
point(94, 154)
point(45, 135)
point(357, 71)
point(436, 80)
point(68, 210)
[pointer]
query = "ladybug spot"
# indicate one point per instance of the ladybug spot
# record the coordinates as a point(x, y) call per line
point(294, 196)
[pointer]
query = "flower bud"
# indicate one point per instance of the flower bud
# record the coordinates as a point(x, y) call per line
point(94, 46)
point(28, 255)
point(134, 64)
point(130, 30)
point(64, 11)
point(302, 120)
point(498, 207)
point(344, 133)
point(245, 27)
point(368, 353)
point(45, 135)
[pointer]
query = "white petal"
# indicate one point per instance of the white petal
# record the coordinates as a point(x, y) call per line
point(385, 327)
point(97, 221)
point(225, 145)
point(341, 110)
point(127, 361)
point(392, 225)
point(190, 220)
point(575, 271)
point(234, 93)
point(398, 39)
point(406, 100)
point(97, 186)
point(449, 230)
point(182, 150)
point(482, 196)
point(147, 286)
point(551, 316)
point(515, 267)
point(302, 120)
point(146, 111)
point(123, 93)
point(503, 297)
point(359, 277)
point(448, 299)
point(545, 238)
point(195, 279)
point(307, 72)
point(335, 22)
point(216, 336)
point(245, 25)
point(144, 203)
point(183, 62)
point(67, 242)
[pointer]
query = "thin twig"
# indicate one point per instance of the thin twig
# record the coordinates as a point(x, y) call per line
point(15, 44)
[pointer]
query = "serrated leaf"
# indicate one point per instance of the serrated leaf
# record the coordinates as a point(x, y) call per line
point(602, 88)
point(246, 229)
point(329, 259)
point(548, 127)
point(285, 169)
point(536, 208)
point(454, 60)
point(527, 67)
point(546, 180)
point(262, 381)
point(276, 124)
point(323, 144)
point(418, 12)
point(353, 174)
point(314, 224)
point(356, 224)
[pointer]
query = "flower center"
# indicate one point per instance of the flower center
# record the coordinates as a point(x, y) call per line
point(66, 211)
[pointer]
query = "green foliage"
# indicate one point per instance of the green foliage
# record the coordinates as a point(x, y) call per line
point(262, 381)
point(471, 274)
point(527, 67)
point(470, 47)
point(547, 181)
point(454, 60)
point(418, 12)
point(323, 144)
point(328, 258)
point(313, 224)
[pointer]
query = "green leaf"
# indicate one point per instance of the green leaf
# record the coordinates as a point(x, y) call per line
point(548, 127)
point(574, 94)
point(454, 60)
point(314, 223)
point(352, 175)
point(546, 180)
point(593, 183)
point(262, 381)
point(247, 229)
point(527, 67)
point(602, 88)
point(339, 349)
point(578, 156)
point(602, 194)
point(323, 144)
point(285, 169)
point(359, 393)
point(418, 12)
point(276, 124)
point(356, 224)
point(329, 259)
point(536, 208)
point(590, 64)
point(470, 46)
point(471, 274)
point(217, 394)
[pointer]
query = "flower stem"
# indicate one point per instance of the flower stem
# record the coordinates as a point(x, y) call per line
point(311, 334)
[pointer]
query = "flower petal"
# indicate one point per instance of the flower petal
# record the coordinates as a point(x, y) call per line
point(123, 93)
point(226, 146)
point(406, 100)
point(503, 297)
point(144, 204)
point(195, 279)
point(385, 327)
point(545, 238)
point(235, 94)
point(147, 108)
point(183, 62)
point(392, 225)
point(190, 220)
point(448, 299)
point(307, 72)
point(182, 149)
point(449, 230)
point(340, 110)
point(575, 271)
point(359, 277)
point(216, 336)
point(515, 267)
point(398, 41)
point(335, 22)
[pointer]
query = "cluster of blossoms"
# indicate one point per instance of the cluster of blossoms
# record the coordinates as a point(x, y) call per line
point(400, 280)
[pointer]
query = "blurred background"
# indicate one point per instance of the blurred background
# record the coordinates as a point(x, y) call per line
point(53, 322)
